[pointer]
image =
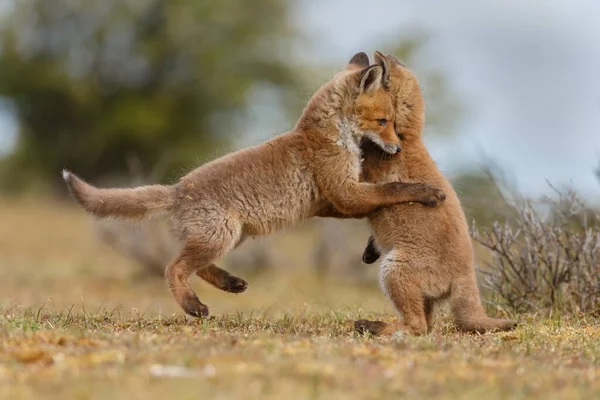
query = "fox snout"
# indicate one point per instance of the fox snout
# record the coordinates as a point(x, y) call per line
point(388, 147)
point(391, 148)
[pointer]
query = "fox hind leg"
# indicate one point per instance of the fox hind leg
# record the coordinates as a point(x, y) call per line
point(378, 328)
point(398, 281)
point(429, 303)
point(197, 256)
point(222, 279)
point(401, 286)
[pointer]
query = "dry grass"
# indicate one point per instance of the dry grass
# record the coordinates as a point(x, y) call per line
point(77, 322)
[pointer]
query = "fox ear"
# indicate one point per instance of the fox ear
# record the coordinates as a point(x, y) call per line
point(371, 79)
point(383, 62)
point(394, 60)
point(359, 60)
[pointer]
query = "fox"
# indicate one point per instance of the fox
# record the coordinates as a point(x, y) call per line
point(270, 186)
point(427, 254)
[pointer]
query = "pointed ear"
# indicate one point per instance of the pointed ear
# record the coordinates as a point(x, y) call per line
point(371, 79)
point(394, 60)
point(381, 60)
point(359, 60)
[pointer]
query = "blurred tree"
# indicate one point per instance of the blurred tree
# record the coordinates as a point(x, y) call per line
point(93, 82)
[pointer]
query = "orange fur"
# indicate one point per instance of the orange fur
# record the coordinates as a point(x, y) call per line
point(264, 188)
point(427, 253)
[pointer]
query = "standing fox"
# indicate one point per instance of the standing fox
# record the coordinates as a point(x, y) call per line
point(428, 253)
point(258, 190)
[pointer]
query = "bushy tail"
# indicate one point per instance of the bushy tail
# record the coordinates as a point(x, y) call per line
point(468, 311)
point(134, 203)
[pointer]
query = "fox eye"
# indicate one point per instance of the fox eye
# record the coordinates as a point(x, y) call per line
point(382, 122)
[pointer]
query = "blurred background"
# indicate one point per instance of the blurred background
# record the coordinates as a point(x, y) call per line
point(141, 91)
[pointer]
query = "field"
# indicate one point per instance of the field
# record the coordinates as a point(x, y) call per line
point(78, 321)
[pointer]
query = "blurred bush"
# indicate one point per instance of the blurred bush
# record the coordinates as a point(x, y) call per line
point(93, 82)
point(546, 258)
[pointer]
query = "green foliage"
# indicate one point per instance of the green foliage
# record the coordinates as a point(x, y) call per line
point(96, 85)
point(95, 82)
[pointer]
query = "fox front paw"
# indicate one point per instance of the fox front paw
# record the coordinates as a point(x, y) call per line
point(371, 253)
point(432, 196)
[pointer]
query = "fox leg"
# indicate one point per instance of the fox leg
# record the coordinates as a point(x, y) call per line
point(380, 328)
point(376, 328)
point(468, 312)
point(429, 303)
point(222, 279)
point(364, 198)
point(401, 286)
point(399, 281)
point(197, 254)
point(371, 253)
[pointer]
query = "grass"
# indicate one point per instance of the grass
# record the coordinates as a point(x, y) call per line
point(76, 321)
point(298, 355)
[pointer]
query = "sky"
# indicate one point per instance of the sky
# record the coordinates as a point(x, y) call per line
point(527, 74)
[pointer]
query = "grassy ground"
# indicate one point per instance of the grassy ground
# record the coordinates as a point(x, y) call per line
point(76, 321)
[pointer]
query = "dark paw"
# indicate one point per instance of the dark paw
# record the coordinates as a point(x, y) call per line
point(371, 253)
point(370, 256)
point(360, 326)
point(233, 284)
point(374, 328)
point(194, 307)
point(434, 198)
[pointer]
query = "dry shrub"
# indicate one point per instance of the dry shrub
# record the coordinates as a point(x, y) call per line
point(545, 258)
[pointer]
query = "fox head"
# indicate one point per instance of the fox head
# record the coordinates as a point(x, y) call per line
point(373, 103)
point(409, 107)
point(356, 105)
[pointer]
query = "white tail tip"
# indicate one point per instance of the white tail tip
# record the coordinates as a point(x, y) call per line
point(66, 175)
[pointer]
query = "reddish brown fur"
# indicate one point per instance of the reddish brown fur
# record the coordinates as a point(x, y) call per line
point(428, 254)
point(261, 189)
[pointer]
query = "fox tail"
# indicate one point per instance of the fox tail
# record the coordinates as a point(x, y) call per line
point(131, 203)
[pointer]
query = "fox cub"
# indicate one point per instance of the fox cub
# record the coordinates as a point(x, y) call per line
point(263, 188)
point(428, 254)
